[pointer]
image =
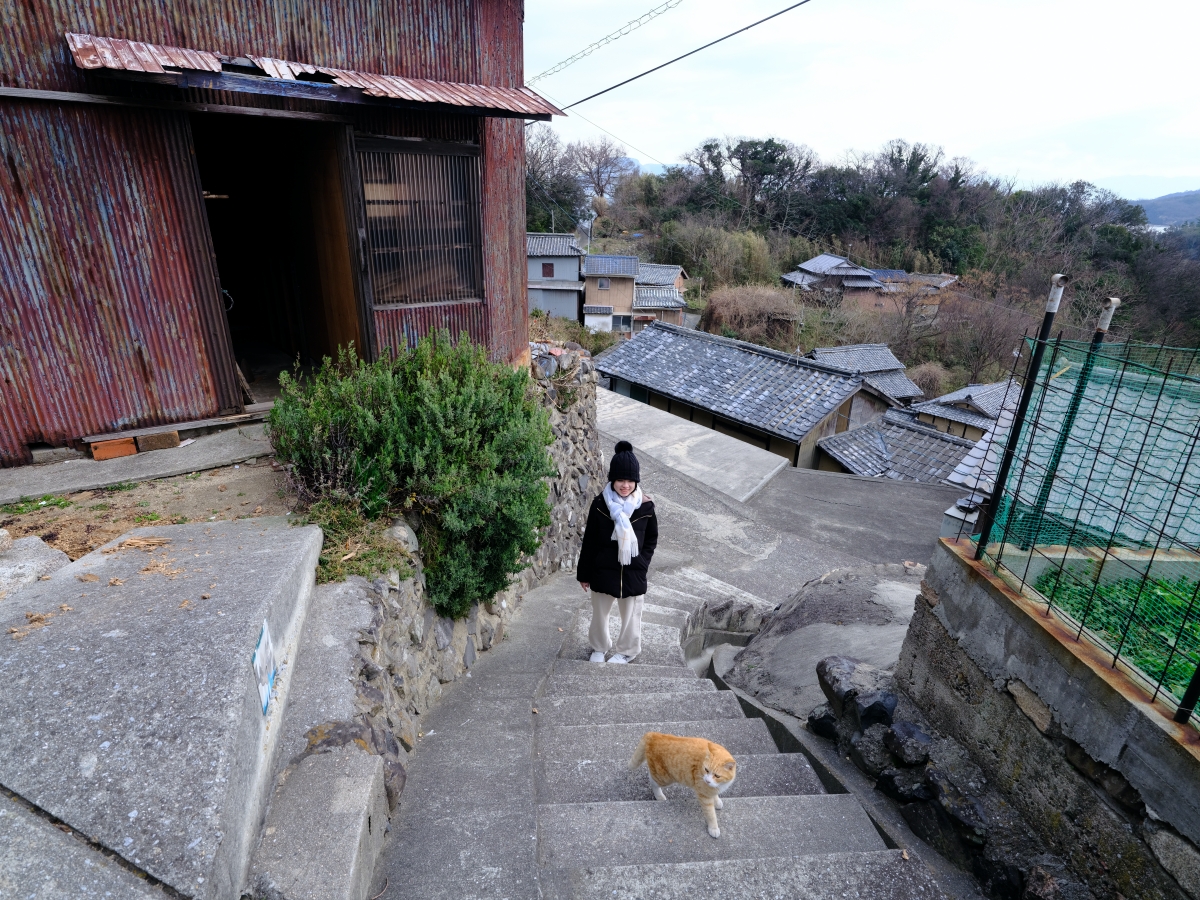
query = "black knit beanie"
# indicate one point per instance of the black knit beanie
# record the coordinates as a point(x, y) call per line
point(624, 465)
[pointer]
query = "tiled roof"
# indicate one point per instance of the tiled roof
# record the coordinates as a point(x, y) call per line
point(896, 446)
point(597, 310)
point(858, 358)
point(895, 384)
point(658, 274)
point(890, 274)
point(657, 298)
point(857, 282)
point(981, 403)
point(551, 245)
point(977, 469)
point(626, 266)
point(776, 393)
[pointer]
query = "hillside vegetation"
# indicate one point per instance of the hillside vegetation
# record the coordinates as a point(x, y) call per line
point(739, 212)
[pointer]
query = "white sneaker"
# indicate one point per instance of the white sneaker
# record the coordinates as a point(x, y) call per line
point(597, 656)
point(619, 659)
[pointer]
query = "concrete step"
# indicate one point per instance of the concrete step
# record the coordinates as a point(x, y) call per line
point(586, 684)
point(565, 666)
point(579, 835)
point(652, 632)
point(758, 775)
point(154, 644)
point(701, 584)
point(576, 647)
point(878, 875)
point(324, 830)
point(637, 707)
point(570, 744)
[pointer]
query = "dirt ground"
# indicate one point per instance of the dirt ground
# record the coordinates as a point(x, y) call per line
point(79, 523)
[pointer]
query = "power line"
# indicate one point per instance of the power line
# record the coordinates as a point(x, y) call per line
point(686, 55)
point(608, 39)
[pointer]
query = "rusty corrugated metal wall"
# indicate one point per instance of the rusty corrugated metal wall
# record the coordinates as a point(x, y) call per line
point(400, 327)
point(108, 304)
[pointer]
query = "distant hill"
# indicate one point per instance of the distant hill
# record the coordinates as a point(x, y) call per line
point(1173, 208)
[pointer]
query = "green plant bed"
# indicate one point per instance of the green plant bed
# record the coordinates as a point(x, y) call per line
point(1152, 618)
point(354, 544)
point(438, 433)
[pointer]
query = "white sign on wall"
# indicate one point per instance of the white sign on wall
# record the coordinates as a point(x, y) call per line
point(264, 666)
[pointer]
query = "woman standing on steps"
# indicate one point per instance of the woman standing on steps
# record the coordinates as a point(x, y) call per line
point(618, 544)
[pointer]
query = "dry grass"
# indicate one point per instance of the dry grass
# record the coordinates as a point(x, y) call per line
point(761, 315)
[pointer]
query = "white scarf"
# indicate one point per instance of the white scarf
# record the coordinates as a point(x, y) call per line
point(620, 509)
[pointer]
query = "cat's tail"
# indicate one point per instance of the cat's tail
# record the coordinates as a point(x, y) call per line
point(639, 755)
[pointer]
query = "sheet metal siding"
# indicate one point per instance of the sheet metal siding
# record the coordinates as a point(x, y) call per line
point(432, 39)
point(400, 327)
point(105, 282)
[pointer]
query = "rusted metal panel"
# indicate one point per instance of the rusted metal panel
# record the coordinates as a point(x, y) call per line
point(93, 52)
point(108, 305)
point(400, 327)
point(504, 238)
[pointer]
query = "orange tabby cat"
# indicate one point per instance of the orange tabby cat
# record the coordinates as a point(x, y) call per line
point(705, 767)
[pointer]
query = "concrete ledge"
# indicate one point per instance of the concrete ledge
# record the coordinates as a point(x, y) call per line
point(1111, 717)
point(324, 831)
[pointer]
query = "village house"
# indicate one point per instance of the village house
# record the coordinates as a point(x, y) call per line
point(897, 445)
point(658, 295)
point(876, 362)
point(610, 285)
point(780, 402)
point(555, 274)
point(862, 288)
point(968, 412)
point(195, 201)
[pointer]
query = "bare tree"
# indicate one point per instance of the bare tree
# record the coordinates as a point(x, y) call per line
point(599, 163)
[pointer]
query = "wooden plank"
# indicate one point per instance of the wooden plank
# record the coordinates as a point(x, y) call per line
point(255, 412)
point(102, 450)
point(173, 106)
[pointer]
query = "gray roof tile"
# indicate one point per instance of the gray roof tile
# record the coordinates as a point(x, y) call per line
point(626, 266)
point(864, 358)
point(658, 274)
point(977, 405)
point(776, 393)
point(657, 298)
point(897, 446)
point(537, 244)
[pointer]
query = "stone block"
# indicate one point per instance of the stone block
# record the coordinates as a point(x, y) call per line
point(102, 450)
point(908, 743)
point(842, 676)
point(904, 785)
point(23, 562)
point(402, 533)
point(867, 750)
point(324, 831)
point(166, 440)
point(134, 716)
point(1178, 856)
point(1030, 704)
point(822, 722)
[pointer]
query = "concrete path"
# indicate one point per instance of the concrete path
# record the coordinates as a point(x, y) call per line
point(520, 786)
point(207, 452)
point(723, 463)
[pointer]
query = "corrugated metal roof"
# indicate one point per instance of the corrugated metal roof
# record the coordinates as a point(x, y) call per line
point(621, 266)
point(896, 446)
point(659, 274)
point(802, 280)
point(537, 244)
point(92, 52)
point(857, 282)
point(890, 274)
point(866, 358)
point(597, 310)
point(976, 405)
point(771, 391)
point(657, 298)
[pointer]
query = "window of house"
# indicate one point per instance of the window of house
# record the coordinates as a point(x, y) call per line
point(547, 270)
point(424, 240)
point(622, 323)
point(603, 284)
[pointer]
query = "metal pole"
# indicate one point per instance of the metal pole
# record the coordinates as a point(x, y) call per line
point(1060, 443)
point(1187, 706)
point(1057, 283)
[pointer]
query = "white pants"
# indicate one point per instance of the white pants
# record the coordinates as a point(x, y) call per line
point(629, 641)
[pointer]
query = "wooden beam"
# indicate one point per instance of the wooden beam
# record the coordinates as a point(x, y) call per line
point(170, 105)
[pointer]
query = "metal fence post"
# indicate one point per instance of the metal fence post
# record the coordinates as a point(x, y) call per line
point(1187, 705)
point(1060, 443)
point(1057, 283)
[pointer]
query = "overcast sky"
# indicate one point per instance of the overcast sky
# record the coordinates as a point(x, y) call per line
point(1036, 90)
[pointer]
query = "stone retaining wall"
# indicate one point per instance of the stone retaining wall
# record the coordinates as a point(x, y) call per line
point(409, 652)
point(1103, 776)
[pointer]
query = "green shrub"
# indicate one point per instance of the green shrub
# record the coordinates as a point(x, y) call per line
point(439, 433)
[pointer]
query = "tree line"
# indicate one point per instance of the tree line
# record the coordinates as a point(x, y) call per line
point(741, 211)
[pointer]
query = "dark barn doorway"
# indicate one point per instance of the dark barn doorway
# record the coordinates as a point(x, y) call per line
point(275, 196)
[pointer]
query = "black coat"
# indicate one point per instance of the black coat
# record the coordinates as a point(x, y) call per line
point(598, 565)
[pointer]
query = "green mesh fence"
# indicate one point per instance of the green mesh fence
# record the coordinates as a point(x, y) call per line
point(1099, 513)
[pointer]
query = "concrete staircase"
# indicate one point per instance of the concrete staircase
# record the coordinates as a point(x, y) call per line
point(601, 834)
